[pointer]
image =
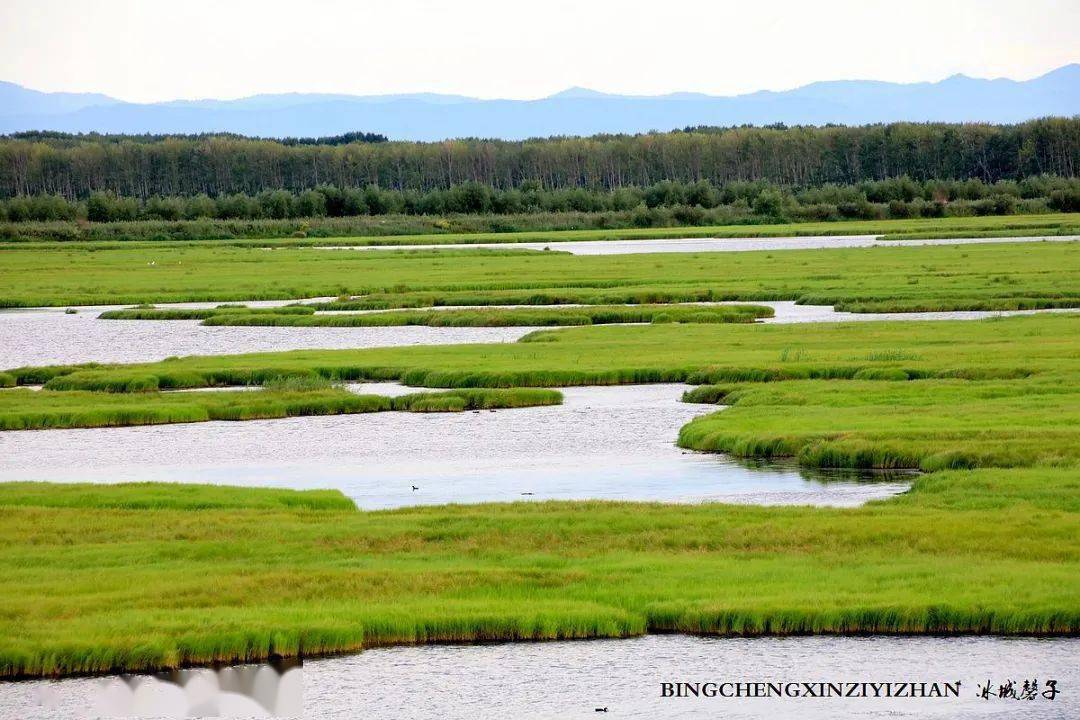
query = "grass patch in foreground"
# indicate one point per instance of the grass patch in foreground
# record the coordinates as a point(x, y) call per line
point(88, 583)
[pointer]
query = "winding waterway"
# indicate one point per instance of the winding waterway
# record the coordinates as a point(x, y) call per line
point(610, 443)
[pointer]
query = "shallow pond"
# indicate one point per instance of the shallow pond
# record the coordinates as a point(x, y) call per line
point(687, 245)
point(612, 443)
point(574, 679)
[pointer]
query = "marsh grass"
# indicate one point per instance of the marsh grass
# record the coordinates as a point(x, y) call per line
point(707, 394)
point(585, 295)
point(968, 394)
point(149, 312)
point(874, 279)
point(930, 425)
point(625, 354)
point(504, 317)
point(407, 230)
point(168, 496)
point(104, 578)
point(895, 355)
point(97, 578)
point(108, 578)
point(297, 383)
point(293, 396)
point(457, 400)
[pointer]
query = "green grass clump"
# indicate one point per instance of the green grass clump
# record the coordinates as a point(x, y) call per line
point(168, 496)
point(22, 409)
point(931, 425)
point(456, 400)
point(29, 410)
point(545, 296)
point(298, 383)
point(505, 317)
point(707, 394)
point(154, 313)
point(100, 578)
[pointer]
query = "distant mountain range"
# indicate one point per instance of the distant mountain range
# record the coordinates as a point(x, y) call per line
point(577, 111)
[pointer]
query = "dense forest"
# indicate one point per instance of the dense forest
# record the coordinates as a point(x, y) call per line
point(143, 167)
point(661, 203)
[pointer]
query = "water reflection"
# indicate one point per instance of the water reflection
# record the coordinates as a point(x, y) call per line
point(239, 691)
point(573, 679)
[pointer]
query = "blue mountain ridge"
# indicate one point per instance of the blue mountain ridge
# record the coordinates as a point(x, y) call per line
point(576, 111)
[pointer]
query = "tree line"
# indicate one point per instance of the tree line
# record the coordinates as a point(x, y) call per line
point(142, 167)
point(901, 197)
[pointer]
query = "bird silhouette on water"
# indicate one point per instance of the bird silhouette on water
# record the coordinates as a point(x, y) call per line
point(415, 488)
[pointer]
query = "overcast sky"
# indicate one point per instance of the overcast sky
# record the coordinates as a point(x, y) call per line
point(156, 50)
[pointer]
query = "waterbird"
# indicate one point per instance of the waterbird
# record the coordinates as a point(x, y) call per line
point(415, 488)
point(603, 709)
point(526, 493)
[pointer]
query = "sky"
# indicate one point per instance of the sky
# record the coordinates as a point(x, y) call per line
point(152, 50)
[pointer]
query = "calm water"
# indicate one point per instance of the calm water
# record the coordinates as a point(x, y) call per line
point(787, 311)
point(672, 245)
point(49, 336)
point(614, 443)
point(572, 679)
